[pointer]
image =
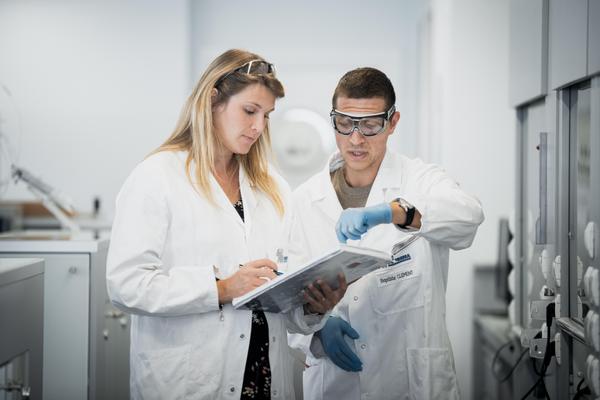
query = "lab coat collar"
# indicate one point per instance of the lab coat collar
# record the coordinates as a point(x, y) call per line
point(249, 200)
point(321, 192)
point(389, 177)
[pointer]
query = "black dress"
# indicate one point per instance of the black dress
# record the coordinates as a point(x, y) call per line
point(257, 375)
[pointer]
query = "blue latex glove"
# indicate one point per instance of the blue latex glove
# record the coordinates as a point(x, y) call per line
point(335, 346)
point(354, 222)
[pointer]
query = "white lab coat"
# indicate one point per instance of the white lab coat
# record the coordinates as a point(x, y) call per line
point(166, 238)
point(398, 312)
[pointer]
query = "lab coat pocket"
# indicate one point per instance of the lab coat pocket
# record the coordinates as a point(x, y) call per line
point(393, 290)
point(163, 374)
point(431, 374)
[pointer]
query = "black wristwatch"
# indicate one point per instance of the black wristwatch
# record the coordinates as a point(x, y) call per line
point(409, 210)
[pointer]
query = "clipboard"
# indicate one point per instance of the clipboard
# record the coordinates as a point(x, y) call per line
point(284, 292)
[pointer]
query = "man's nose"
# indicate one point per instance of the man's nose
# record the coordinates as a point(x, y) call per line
point(356, 137)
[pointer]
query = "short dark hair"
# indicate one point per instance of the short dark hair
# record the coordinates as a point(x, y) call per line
point(365, 83)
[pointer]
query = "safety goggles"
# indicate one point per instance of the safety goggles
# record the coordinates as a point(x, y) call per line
point(254, 67)
point(367, 125)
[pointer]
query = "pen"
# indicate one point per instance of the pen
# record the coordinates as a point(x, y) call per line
point(275, 271)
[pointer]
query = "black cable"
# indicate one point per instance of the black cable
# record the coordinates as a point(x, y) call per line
point(579, 384)
point(531, 389)
point(512, 369)
point(548, 354)
point(497, 355)
point(581, 391)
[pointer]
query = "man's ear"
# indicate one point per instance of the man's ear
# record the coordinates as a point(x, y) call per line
point(394, 121)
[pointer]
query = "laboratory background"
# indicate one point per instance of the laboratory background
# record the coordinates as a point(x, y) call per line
point(505, 95)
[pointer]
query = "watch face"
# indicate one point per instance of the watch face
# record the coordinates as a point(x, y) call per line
point(404, 204)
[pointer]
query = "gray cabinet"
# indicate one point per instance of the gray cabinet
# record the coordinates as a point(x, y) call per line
point(568, 34)
point(21, 327)
point(86, 340)
point(528, 50)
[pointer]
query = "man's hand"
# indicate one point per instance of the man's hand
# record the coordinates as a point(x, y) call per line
point(320, 297)
point(335, 346)
point(354, 222)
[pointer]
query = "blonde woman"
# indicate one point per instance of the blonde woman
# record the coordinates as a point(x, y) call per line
point(195, 225)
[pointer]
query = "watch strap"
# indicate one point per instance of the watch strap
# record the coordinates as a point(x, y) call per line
point(410, 215)
point(409, 210)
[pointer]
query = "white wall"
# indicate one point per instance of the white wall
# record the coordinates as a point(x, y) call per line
point(313, 43)
point(98, 85)
point(473, 137)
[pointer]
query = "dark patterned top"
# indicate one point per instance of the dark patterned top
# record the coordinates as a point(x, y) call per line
point(257, 375)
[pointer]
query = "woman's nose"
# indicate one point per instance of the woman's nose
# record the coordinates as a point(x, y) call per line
point(258, 124)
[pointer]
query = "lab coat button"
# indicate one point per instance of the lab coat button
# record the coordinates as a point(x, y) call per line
point(274, 393)
point(355, 298)
point(232, 389)
point(273, 339)
point(363, 346)
point(242, 336)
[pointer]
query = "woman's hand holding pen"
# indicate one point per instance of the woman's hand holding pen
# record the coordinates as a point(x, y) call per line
point(320, 297)
point(250, 275)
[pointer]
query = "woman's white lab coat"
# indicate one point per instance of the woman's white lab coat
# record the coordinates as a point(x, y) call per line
point(166, 238)
point(399, 312)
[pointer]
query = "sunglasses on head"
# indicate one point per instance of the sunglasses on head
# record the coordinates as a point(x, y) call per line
point(253, 67)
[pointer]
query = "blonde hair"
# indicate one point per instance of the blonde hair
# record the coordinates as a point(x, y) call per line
point(195, 130)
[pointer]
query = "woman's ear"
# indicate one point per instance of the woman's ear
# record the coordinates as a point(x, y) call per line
point(213, 93)
point(213, 96)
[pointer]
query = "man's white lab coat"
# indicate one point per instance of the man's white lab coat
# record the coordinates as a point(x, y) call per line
point(166, 238)
point(399, 312)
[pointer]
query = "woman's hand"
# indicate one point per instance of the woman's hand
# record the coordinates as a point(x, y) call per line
point(320, 297)
point(251, 275)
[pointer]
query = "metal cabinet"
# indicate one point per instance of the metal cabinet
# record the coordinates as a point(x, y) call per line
point(21, 332)
point(558, 212)
point(594, 37)
point(568, 38)
point(86, 340)
point(528, 50)
point(579, 246)
point(558, 234)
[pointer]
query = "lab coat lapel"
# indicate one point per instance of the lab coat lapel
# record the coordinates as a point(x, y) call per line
point(249, 199)
point(223, 202)
point(388, 179)
point(323, 195)
point(219, 196)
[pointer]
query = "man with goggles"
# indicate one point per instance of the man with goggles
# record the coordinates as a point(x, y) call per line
point(386, 338)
